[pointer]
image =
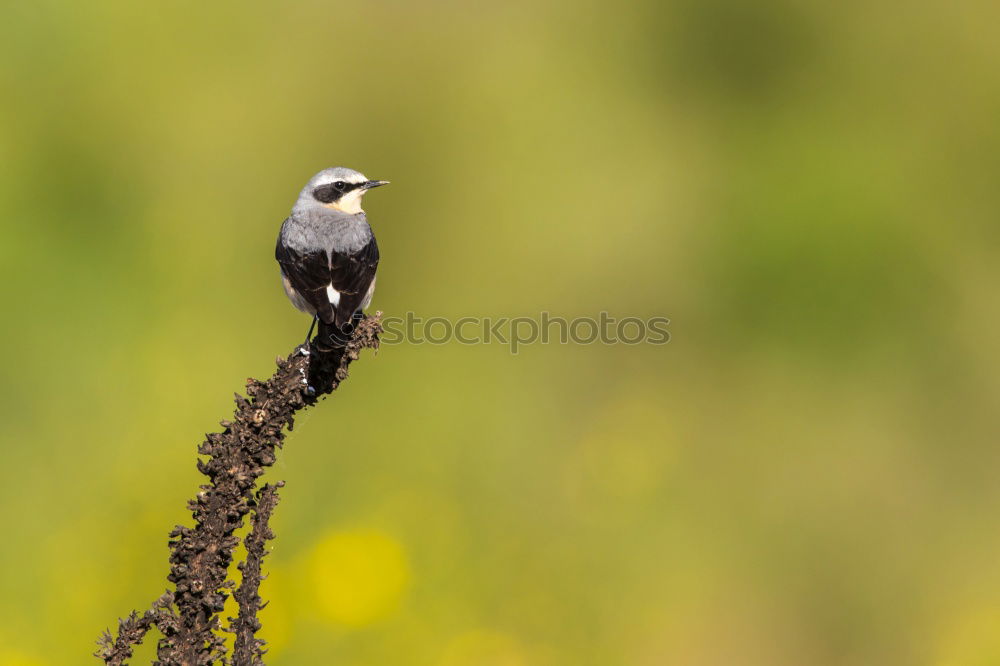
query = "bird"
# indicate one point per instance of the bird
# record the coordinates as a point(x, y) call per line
point(327, 254)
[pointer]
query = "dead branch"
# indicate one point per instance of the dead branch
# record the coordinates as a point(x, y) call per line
point(249, 649)
point(201, 555)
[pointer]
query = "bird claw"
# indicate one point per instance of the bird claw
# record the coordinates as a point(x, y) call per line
point(309, 390)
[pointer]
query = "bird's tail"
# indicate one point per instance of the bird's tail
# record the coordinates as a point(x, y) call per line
point(330, 336)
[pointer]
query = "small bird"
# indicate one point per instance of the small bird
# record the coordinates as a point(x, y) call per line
point(328, 255)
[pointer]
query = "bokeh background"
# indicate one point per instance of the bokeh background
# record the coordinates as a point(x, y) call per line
point(806, 474)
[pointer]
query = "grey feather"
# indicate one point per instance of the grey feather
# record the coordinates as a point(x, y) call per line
point(310, 228)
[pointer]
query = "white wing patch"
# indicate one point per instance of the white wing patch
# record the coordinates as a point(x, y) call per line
point(333, 295)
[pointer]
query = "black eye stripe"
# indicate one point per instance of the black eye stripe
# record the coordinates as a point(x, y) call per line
point(329, 193)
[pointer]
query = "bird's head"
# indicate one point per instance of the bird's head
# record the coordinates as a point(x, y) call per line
point(337, 188)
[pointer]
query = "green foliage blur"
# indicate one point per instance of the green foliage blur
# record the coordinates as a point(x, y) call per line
point(805, 474)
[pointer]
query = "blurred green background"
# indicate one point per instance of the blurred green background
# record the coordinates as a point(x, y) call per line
point(806, 474)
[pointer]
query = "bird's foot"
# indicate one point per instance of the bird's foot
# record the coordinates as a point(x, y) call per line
point(310, 390)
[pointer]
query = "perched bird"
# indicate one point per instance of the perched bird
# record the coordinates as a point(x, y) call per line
point(327, 253)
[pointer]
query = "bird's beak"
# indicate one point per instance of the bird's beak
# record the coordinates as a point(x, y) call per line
point(374, 183)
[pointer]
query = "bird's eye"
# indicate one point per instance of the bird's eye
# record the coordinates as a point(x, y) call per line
point(340, 185)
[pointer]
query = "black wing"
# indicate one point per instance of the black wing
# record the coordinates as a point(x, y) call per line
point(352, 275)
point(309, 274)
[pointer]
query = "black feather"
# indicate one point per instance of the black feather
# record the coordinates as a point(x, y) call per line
point(351, 274)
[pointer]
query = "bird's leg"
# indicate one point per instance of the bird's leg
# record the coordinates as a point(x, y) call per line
point(311, 327)
point(305, 345)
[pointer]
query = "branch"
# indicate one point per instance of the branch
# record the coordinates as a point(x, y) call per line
point(249, 649)
point(131, 631)
point(200, 555)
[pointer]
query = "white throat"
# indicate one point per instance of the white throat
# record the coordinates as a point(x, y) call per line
point(350, 203)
